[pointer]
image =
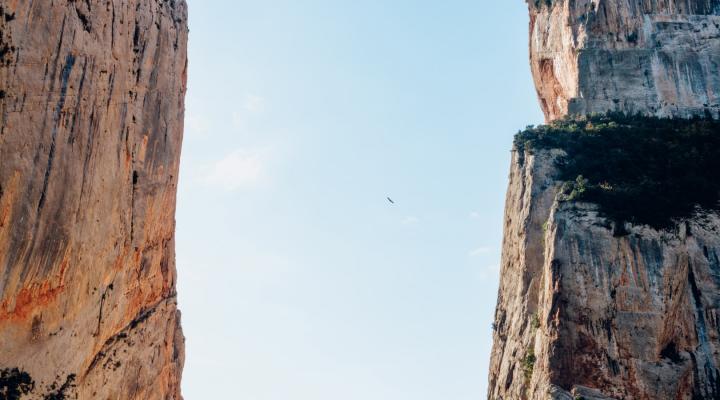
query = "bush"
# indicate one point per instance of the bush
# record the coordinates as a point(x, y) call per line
point(540, 3)
point(534, 323)
point(643, 170)
point(528, 363)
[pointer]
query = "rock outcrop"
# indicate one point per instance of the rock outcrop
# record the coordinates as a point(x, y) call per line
point(91, 119)
point(591, 307)
point(610, 278)
point(653, 57)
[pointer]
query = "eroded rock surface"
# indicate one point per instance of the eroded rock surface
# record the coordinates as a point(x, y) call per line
point(91, 118)
point(585, 312)
point(653, 57)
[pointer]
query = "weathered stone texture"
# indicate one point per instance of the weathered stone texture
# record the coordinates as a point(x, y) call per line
point(653, 57)
point(607, 316)
point(91, 119)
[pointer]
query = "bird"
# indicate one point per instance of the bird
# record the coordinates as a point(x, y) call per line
point(391, 200)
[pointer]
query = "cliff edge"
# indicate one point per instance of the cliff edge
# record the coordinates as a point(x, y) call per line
point(610, 276)
point(91, 120)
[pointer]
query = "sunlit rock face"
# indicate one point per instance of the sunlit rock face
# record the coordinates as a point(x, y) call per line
point(597, 301)
point(585, 312)
point(653, 57)
point(91, 119)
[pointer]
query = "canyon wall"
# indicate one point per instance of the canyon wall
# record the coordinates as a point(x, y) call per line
point(653, 57)
point(585, 312)
point(91, 120)
point(610, 276)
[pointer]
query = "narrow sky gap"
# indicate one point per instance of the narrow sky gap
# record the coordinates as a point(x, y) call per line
point(297, 278)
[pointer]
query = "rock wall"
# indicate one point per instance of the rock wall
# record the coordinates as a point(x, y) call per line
point(586, 313)
point(653, 57)
point(91, 120)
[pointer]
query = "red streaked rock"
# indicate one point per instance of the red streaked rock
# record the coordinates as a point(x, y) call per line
point(91, 120)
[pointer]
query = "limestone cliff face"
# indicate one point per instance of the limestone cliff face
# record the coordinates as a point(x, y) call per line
point(591, 306)
point(91, 119)
point(586, 313)
point(654, 57)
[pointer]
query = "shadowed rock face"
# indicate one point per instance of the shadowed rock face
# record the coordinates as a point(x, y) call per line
point(653, 57)
point(91, 119)
point(585, 313)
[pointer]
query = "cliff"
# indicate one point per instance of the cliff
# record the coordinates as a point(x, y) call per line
point(610, 283)
point(91, 119)
point(654, 57)
point(610, 276)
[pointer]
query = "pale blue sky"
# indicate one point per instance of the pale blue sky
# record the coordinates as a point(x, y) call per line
point(297, 279)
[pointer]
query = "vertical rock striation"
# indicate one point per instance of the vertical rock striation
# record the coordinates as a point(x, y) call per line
point(91, 119)
point(592, 306)
point(610, 280)
point(653, 57)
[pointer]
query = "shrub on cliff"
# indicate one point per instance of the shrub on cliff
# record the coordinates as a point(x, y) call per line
point(540, 3)
point(642, 170)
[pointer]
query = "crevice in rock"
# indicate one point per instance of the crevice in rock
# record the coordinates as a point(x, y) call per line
point(135, 178)
point(124, 332)
point(102, 304)
point(84, 19)
point(78, 103)
point(64, 77)
point(670, 352)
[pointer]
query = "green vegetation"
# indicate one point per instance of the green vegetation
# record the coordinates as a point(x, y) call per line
point(528, 363)
point(642, 170)
point(540, 3)
point(534, 322)
point(14, 384)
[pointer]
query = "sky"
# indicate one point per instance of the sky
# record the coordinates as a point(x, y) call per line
point(298, 279)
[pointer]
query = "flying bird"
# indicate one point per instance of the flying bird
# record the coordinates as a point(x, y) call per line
point(391, 200)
